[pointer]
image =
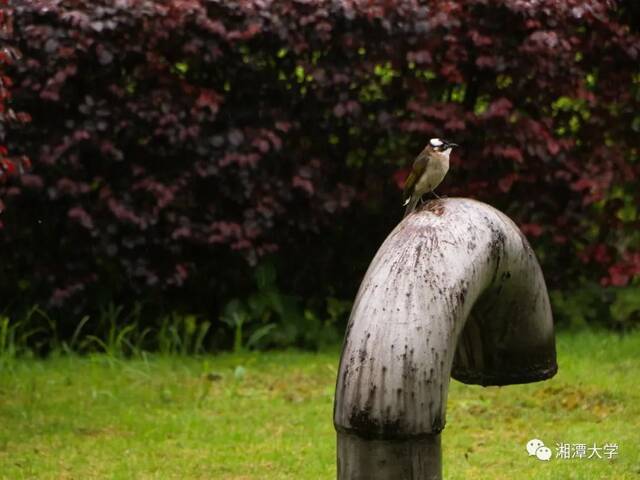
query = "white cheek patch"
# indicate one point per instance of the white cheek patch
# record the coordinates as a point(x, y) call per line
point(436, 142)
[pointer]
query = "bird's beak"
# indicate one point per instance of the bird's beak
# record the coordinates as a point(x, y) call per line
point(449, 144)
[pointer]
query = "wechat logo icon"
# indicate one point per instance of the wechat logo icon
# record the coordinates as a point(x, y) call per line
point(535, 447)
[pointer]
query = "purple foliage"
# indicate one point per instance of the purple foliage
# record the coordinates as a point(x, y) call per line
point(175, 137)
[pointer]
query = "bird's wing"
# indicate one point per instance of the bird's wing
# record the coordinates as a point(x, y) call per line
point(419, 166)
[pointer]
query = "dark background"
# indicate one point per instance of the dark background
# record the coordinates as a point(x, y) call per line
point(226, 170)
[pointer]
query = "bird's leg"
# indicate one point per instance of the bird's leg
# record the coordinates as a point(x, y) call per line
point(435, 194)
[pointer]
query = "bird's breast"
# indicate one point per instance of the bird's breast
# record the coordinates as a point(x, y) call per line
point(432, 176)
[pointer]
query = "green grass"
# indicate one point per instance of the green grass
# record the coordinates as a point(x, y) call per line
point(268, 416)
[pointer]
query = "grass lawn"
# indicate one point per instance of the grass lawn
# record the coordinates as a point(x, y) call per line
point(268, 416)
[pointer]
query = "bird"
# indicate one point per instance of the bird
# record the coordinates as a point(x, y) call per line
point(429, 169)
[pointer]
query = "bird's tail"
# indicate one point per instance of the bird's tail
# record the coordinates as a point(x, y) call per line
point(411, 205)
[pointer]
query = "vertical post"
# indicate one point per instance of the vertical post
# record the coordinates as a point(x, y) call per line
point(364, 459)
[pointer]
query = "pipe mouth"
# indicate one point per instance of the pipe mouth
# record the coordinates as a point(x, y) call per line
point(501, 378)
point(508, 337)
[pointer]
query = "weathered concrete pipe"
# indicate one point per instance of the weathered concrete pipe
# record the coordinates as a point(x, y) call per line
point(455, 290)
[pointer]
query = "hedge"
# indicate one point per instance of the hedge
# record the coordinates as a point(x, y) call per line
point(177, 144)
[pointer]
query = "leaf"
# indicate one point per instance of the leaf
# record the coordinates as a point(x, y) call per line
point(259, 335)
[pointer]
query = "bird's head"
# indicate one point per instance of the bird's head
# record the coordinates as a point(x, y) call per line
point(438, 145)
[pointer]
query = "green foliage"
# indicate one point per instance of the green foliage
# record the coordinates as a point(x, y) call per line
point(8, 343)
point(269, 318)
point(590, 303)
point(265, 318)
point(112, 333)
point(15, 338)
point(578, 307)
point(182, 334)
point(625, 309)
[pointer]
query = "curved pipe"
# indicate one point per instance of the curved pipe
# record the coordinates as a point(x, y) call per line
point(455, 290)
